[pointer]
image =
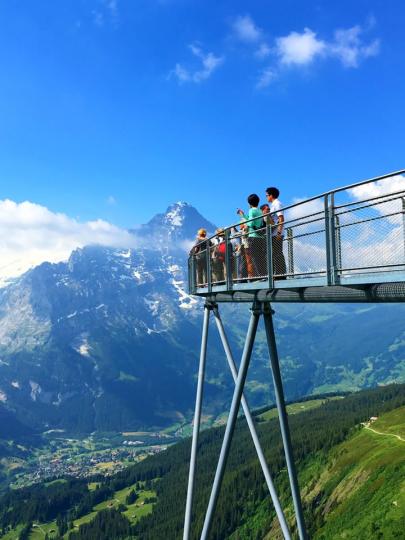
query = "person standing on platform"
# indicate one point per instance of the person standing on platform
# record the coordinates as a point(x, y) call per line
point(277, 216)
point(256, 250)
point(199, 250)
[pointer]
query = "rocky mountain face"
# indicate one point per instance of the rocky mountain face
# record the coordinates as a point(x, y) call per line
point(109, 339)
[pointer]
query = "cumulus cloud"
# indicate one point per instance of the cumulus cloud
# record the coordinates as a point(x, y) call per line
point(31, 234)
point(349, 48)
point(245, 29)
point(387, 186)
point(263, 51)
point(266, 77)
point(208, 64)
point(299, 49)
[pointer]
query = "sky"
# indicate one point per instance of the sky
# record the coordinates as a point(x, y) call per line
point(110, 110)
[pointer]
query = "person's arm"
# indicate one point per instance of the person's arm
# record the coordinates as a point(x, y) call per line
point(242, 214)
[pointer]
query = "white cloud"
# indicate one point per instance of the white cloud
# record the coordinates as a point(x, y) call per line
point(209, 63)
point(108, 10)
point(299, 48)
point(305, 209)
point(349, 48)
point(263, 51)
point(266, 77)
point(245, 29)
point(387, 186)
point(31, 234)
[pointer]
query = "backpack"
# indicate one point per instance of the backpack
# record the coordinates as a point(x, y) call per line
point(221, 250)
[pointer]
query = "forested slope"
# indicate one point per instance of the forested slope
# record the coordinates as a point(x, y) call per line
point(351, 479)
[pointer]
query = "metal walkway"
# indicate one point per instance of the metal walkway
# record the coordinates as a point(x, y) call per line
point(346, 245)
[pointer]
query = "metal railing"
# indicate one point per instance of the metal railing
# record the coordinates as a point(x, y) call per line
point(341, 236)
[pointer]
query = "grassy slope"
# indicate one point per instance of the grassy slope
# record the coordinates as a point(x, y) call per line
point(361, 488)
point(133, 513)
point(295, 408)
point(357, 492)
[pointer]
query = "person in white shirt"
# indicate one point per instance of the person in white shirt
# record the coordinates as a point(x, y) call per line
point(276, 211)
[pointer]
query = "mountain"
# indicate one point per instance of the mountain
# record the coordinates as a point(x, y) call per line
point(180, 222)
point(109, 339)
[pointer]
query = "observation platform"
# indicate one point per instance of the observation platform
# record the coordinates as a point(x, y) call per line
point(345, 245)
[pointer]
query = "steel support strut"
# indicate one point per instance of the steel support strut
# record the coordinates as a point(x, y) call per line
point(283, 418)
point(233, 415)
point(252, 428)
point(197, 421)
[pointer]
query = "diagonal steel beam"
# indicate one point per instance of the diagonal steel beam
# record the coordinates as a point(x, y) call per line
point(252, 428)
point(283, 419)
point(233, 415)
point(197, 421)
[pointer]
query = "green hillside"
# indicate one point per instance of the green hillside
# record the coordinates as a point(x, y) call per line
point(359, 491)
point(352, 474)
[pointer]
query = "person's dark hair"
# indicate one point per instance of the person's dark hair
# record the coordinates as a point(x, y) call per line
point(263, 206)
point(253, 200)
point(273, 191)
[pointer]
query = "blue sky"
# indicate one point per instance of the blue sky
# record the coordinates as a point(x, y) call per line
point(113, 109)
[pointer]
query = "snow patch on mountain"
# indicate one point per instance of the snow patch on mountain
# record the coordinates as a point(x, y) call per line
point(185, 300)
point(35, 390)
point(174, 216)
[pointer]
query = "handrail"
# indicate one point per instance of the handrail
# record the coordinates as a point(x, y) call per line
point(321, 196)
point(331, 250)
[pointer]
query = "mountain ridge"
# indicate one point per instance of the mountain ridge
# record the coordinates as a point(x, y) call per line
point(110, 339)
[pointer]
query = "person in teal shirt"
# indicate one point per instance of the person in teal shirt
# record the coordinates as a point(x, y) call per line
point(256, 250)
point(254, 212)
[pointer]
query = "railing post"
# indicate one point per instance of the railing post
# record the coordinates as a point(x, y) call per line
point(330, 234)
point(338, 244)
point(190, 274)
point(269, 250)
point(228, 260)
point(209, 277)
point(403, 221)
point(290, 250)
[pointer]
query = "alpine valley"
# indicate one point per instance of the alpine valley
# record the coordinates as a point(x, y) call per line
point(109, 341)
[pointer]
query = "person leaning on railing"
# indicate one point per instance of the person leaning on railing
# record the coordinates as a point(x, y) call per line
point(276, 220)
point(237, 254)
point(218, 257)
point(256, 241)
point(199, 250)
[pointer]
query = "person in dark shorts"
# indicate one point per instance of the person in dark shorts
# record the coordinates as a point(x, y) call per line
point(277, 216)
point(200, 252)
point(256, 238)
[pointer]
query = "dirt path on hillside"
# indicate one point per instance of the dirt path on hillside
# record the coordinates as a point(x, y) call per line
point(386, 434)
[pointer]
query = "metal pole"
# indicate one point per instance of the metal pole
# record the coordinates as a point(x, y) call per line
point(331, 241)
point(252, 428)
point(197, 420)
point(228, 261)
point(403, 219)
point(269, 246)
point(230, 426)
point(283, 419)
point(290, 250)
point(338, 244)
point(209, 275)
